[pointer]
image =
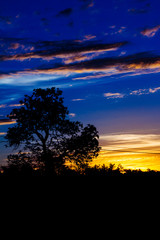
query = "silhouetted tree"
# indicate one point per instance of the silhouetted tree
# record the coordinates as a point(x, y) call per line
point(19, 165)
point(45, 131)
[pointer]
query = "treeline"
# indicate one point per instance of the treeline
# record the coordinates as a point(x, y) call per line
point(97, 170)
point(43, 128)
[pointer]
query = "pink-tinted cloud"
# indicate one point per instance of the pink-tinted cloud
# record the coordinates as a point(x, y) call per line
point(78, 99)
point(86, 38)
point(72, 115)
point(150, 32)
point(145, 91)
point(113, 95)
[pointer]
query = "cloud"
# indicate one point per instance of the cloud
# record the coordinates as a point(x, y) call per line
point(78, 99)
point(72, 114)
point(113, 95)
point(68, 51)
point(137, 92)
point(93, 76)
point(86, 38)
point(153, 90)
point(145, 91)
point(150, 32)
point(10, 47)
point(132, 150)
point(2, 105)
point(2, 133)
point(100, 67)
point(11, 105)
point(65, 13)
point(14, 46)
point(6, 122)
point(15, 105)
point(80, 58)
point(130, 141)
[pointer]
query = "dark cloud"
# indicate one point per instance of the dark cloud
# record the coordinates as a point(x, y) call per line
point(49, 49)
point(44, 21)
point(6, 122)
point(122, 62)
point(136, 64)
point(132, 63)
point(66, 12)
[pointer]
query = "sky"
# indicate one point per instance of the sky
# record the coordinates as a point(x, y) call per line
point(104, 56)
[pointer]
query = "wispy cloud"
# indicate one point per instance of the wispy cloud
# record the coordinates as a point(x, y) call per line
point(2, 105)
point(145, 91)
point(78, 99)
point(69, 52)
point(132, 150)
point(93, 76)
point(80, 58)
point(65, 13)
point(113, 95)
point(150, 32)
point(86, 38)
point(130, 141)
point(6, 122)
point(72, 115)
point(137, 92)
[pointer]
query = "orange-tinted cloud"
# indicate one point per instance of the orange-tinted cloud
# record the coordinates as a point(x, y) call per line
point(99, 67)
point(86, 38)
point(132, 150)
point(71, 53)
point(113, 95)
point(6, 122)
point(150, 32)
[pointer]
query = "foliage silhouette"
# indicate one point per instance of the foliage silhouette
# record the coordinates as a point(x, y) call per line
point(44, 130)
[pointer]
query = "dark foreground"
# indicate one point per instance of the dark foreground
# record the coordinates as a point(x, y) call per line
point(111, 170)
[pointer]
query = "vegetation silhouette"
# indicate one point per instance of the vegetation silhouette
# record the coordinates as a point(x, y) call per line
point(49, 139)
point(52, 144)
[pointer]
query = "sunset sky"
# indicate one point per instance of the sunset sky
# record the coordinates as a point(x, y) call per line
point(104, 55)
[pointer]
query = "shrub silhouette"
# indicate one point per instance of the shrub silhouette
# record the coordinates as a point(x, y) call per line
point(44, 130)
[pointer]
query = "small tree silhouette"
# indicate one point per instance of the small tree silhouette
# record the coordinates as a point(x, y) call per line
point(43, 129)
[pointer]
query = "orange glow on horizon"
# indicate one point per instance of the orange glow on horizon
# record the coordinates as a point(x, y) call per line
point(131, 150)
point(129, 160)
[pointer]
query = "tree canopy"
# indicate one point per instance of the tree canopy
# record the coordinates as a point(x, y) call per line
point(47, 135)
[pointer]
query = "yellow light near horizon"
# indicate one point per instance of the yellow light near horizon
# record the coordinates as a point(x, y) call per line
point(131, 150)
point(129, 160)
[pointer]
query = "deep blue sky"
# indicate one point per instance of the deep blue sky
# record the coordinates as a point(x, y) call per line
point(104, 55)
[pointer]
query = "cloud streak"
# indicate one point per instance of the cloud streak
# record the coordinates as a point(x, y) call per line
point(73, 51)
point(113, 95)
point(6, 122)
point(137, 92)
point(65, 13)
point(131, 141)
point(150, 32)
point(81, 58)
point(132, 150)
